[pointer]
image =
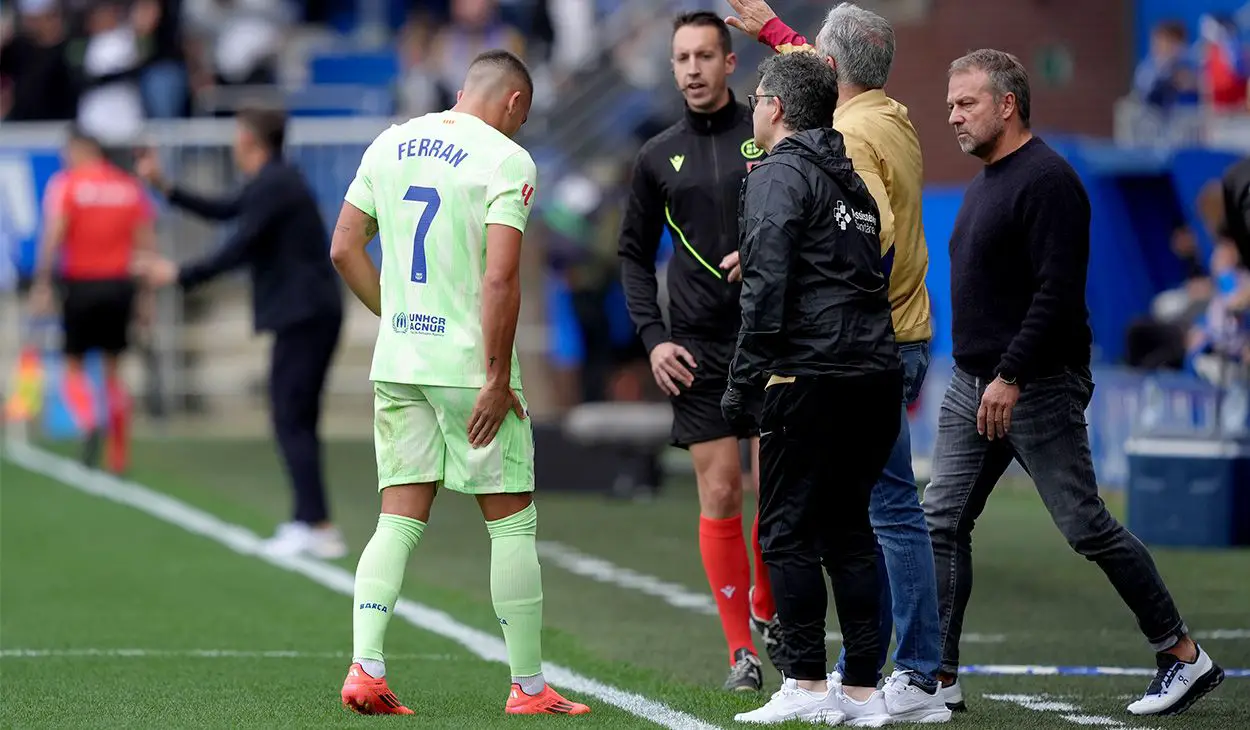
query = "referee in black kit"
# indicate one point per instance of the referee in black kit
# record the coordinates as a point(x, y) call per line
point(282, 239)
point(689, 176)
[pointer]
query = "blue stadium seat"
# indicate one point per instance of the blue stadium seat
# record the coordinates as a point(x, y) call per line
point(363, 68)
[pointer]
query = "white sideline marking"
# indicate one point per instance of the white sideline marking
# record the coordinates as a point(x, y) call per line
point(1068, 711)
point(603, 571)
point(1222, 634)
point(203, 654)
point(246, 542)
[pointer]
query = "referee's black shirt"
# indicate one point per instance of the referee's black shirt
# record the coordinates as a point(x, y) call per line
point(1019, 260)
point(688, 178)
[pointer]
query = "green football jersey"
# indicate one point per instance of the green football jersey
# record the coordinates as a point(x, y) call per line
point(433, 184)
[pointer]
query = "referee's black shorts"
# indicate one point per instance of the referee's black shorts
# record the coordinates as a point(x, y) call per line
point(96, 314)
point(696, 412)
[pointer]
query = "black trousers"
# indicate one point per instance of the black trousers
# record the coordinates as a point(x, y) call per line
point(297, 377)
point(823, 443)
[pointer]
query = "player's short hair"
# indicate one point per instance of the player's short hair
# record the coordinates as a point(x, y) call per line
point(806, 86)
point(1007, 76)
point(266, 123)
point(706, 19)
point(506, 62)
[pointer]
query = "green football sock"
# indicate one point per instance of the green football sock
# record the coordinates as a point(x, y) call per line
point(379, 576)
point(516, 588)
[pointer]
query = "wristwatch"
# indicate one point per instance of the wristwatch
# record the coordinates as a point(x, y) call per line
point(1007, 377)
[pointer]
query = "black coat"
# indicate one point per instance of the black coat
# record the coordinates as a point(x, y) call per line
point(814, 294)
point(281, 238)
point(687, 177)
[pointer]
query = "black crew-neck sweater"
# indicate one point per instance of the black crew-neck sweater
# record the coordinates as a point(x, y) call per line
point(1019, 258)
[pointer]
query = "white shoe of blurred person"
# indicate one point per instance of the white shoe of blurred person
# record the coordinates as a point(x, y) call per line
point(871, 712)
point(301, 538)
point(793, 703)
point(905, 702)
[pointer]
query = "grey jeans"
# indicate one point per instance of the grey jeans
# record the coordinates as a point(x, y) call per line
point(1048, 437)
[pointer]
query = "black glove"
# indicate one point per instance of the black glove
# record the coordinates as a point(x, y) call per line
point(741, 405)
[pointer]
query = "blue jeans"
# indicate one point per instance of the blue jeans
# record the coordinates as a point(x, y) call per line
point(904, 551)
point(1049, 438)
point(164, 89)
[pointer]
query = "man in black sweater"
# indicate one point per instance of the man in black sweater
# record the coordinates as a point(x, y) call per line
point(1019, 255)
point(281, 237)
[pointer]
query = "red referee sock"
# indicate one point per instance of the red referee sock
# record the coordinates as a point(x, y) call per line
point(728, 569)
point(118, 425)
point(762, 605)
point(80, 399)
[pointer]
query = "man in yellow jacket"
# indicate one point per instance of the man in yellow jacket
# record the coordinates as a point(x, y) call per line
point(885, 151)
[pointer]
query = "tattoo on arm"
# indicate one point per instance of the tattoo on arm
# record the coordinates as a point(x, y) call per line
point(371, 228)
point(492, 362)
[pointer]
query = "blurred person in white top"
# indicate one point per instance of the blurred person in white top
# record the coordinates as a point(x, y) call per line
point(111, 109)
point(245, 36)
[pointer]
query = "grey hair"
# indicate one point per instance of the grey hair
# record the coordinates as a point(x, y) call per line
point(807, 87)
point(1006, 74)
point(861, 44)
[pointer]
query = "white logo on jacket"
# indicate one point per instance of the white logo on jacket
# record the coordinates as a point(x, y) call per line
point(841, 215)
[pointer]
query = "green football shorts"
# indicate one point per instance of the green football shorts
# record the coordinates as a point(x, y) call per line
point(421, 434)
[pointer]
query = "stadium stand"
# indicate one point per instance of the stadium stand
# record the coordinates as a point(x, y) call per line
point(345, 70)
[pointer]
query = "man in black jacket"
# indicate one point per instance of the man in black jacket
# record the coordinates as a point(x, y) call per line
point(282, 239)
point(688, 176)
point(1235, 186)
point(817, 346)
point(1020, 327)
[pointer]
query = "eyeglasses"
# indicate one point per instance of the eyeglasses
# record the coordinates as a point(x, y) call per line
point(754, 99)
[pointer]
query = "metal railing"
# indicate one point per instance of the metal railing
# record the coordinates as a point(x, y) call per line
point(1144, 126)
point(203, 342)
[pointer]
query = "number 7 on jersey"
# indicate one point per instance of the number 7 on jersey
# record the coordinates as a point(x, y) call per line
point(429, 196)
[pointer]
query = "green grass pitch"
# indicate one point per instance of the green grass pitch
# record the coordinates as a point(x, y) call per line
point(111, 617)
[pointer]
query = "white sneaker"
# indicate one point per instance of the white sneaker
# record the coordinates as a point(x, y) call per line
point(953, 696)
point(869, 713)
point(1178, 685)
point(300, 538)
point(792, 703)
point(908, 703)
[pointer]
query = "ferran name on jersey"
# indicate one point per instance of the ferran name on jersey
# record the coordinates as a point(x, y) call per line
point(437, 148)
point(419, 324)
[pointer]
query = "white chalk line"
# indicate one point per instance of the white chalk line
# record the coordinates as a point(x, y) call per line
point(204, 654)
point(604, 571)
point(246, 542)
point(1066, 710)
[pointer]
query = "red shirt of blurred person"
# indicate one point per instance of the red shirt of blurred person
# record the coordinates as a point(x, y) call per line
point(103, 208)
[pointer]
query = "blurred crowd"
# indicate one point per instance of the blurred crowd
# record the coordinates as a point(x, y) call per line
point(112, 65)
point(129, 60)
point(1210, 70)
point(1202, 325)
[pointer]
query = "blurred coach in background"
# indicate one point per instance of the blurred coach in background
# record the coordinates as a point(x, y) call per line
point(282, 239)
